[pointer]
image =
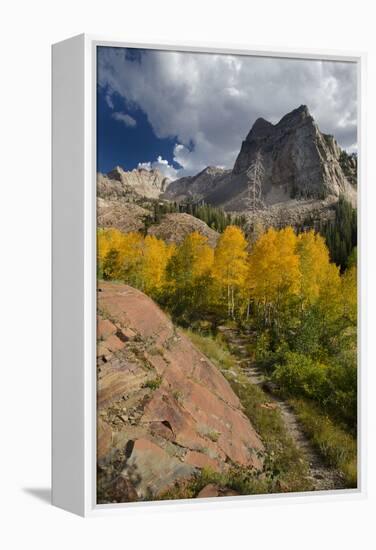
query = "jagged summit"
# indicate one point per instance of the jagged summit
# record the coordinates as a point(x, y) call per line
point(299, 161)
point(138, 182)
point(263, 128)
point(296, 116)
point(116, 173)
point(260, 129)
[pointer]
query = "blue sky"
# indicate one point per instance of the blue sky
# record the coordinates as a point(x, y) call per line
point(182, 111)
point(120, 143)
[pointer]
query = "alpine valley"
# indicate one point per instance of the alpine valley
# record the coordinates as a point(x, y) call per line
point(227, 322)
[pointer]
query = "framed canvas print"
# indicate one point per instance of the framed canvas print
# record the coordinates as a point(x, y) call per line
point(206, 311)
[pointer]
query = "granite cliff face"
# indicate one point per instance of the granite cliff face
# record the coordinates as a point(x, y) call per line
point(164, 410)
point(299, 161)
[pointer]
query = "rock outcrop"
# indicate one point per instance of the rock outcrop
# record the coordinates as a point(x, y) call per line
point(131, 184)
point(128, 216)
point(164, 410)
point(120, 214)
point(174, 227)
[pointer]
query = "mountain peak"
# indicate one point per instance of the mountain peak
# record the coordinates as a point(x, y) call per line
point(296, 116)
point(299, 161)
point(116, 173)
point(261, 128)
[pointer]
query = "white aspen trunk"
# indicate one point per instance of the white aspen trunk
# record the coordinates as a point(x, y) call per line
point(248, 308)
point(232, 303)
point(228, 301)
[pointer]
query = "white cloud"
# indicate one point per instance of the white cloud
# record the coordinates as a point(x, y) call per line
point(128, 120)
point(109, 101)
point(163, 166)
point(208, 102)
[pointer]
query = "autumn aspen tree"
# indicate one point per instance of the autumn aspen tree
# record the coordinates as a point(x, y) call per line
point(230, 265)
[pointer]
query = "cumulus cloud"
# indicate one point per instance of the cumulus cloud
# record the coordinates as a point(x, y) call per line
point(128, 120)
point(162, 165)
point(208, 102)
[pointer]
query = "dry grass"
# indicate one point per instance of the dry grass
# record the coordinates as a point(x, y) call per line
point(337, 447)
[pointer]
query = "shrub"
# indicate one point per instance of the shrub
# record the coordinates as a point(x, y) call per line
point(153, 384)
point(302, 376)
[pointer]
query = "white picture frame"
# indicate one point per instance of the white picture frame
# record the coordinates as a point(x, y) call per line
point(74, 277)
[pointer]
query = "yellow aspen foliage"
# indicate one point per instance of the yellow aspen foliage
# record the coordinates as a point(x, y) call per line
point(230, 264)
point(189, 275)
point(330, 298)
point(190, 260)
point(136, 260)
point(107, 239)
point(152, 270)
point(314, 263)
point(202, 254)
point(274, 272)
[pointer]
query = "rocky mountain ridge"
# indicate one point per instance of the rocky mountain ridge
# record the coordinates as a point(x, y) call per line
point(139, 182)
point(196, 187)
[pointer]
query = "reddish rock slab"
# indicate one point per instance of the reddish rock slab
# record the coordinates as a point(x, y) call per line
point(200, 460)
point(113, 343)
point(210, 377)
point(151, 470)
point(210, 490)
point(104, 438)
point(191, 421)
point(104, 328)
point(128, 306)
point(238, 439)
point(164, 407)
point(162, 429)
point(147, 445)
point(103, 351)
point(115, 382)
point(157, 361)
point(128, 333)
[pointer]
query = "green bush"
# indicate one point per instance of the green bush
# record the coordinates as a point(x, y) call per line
point(302, 376)
point(153, 384)
point(342, 381)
